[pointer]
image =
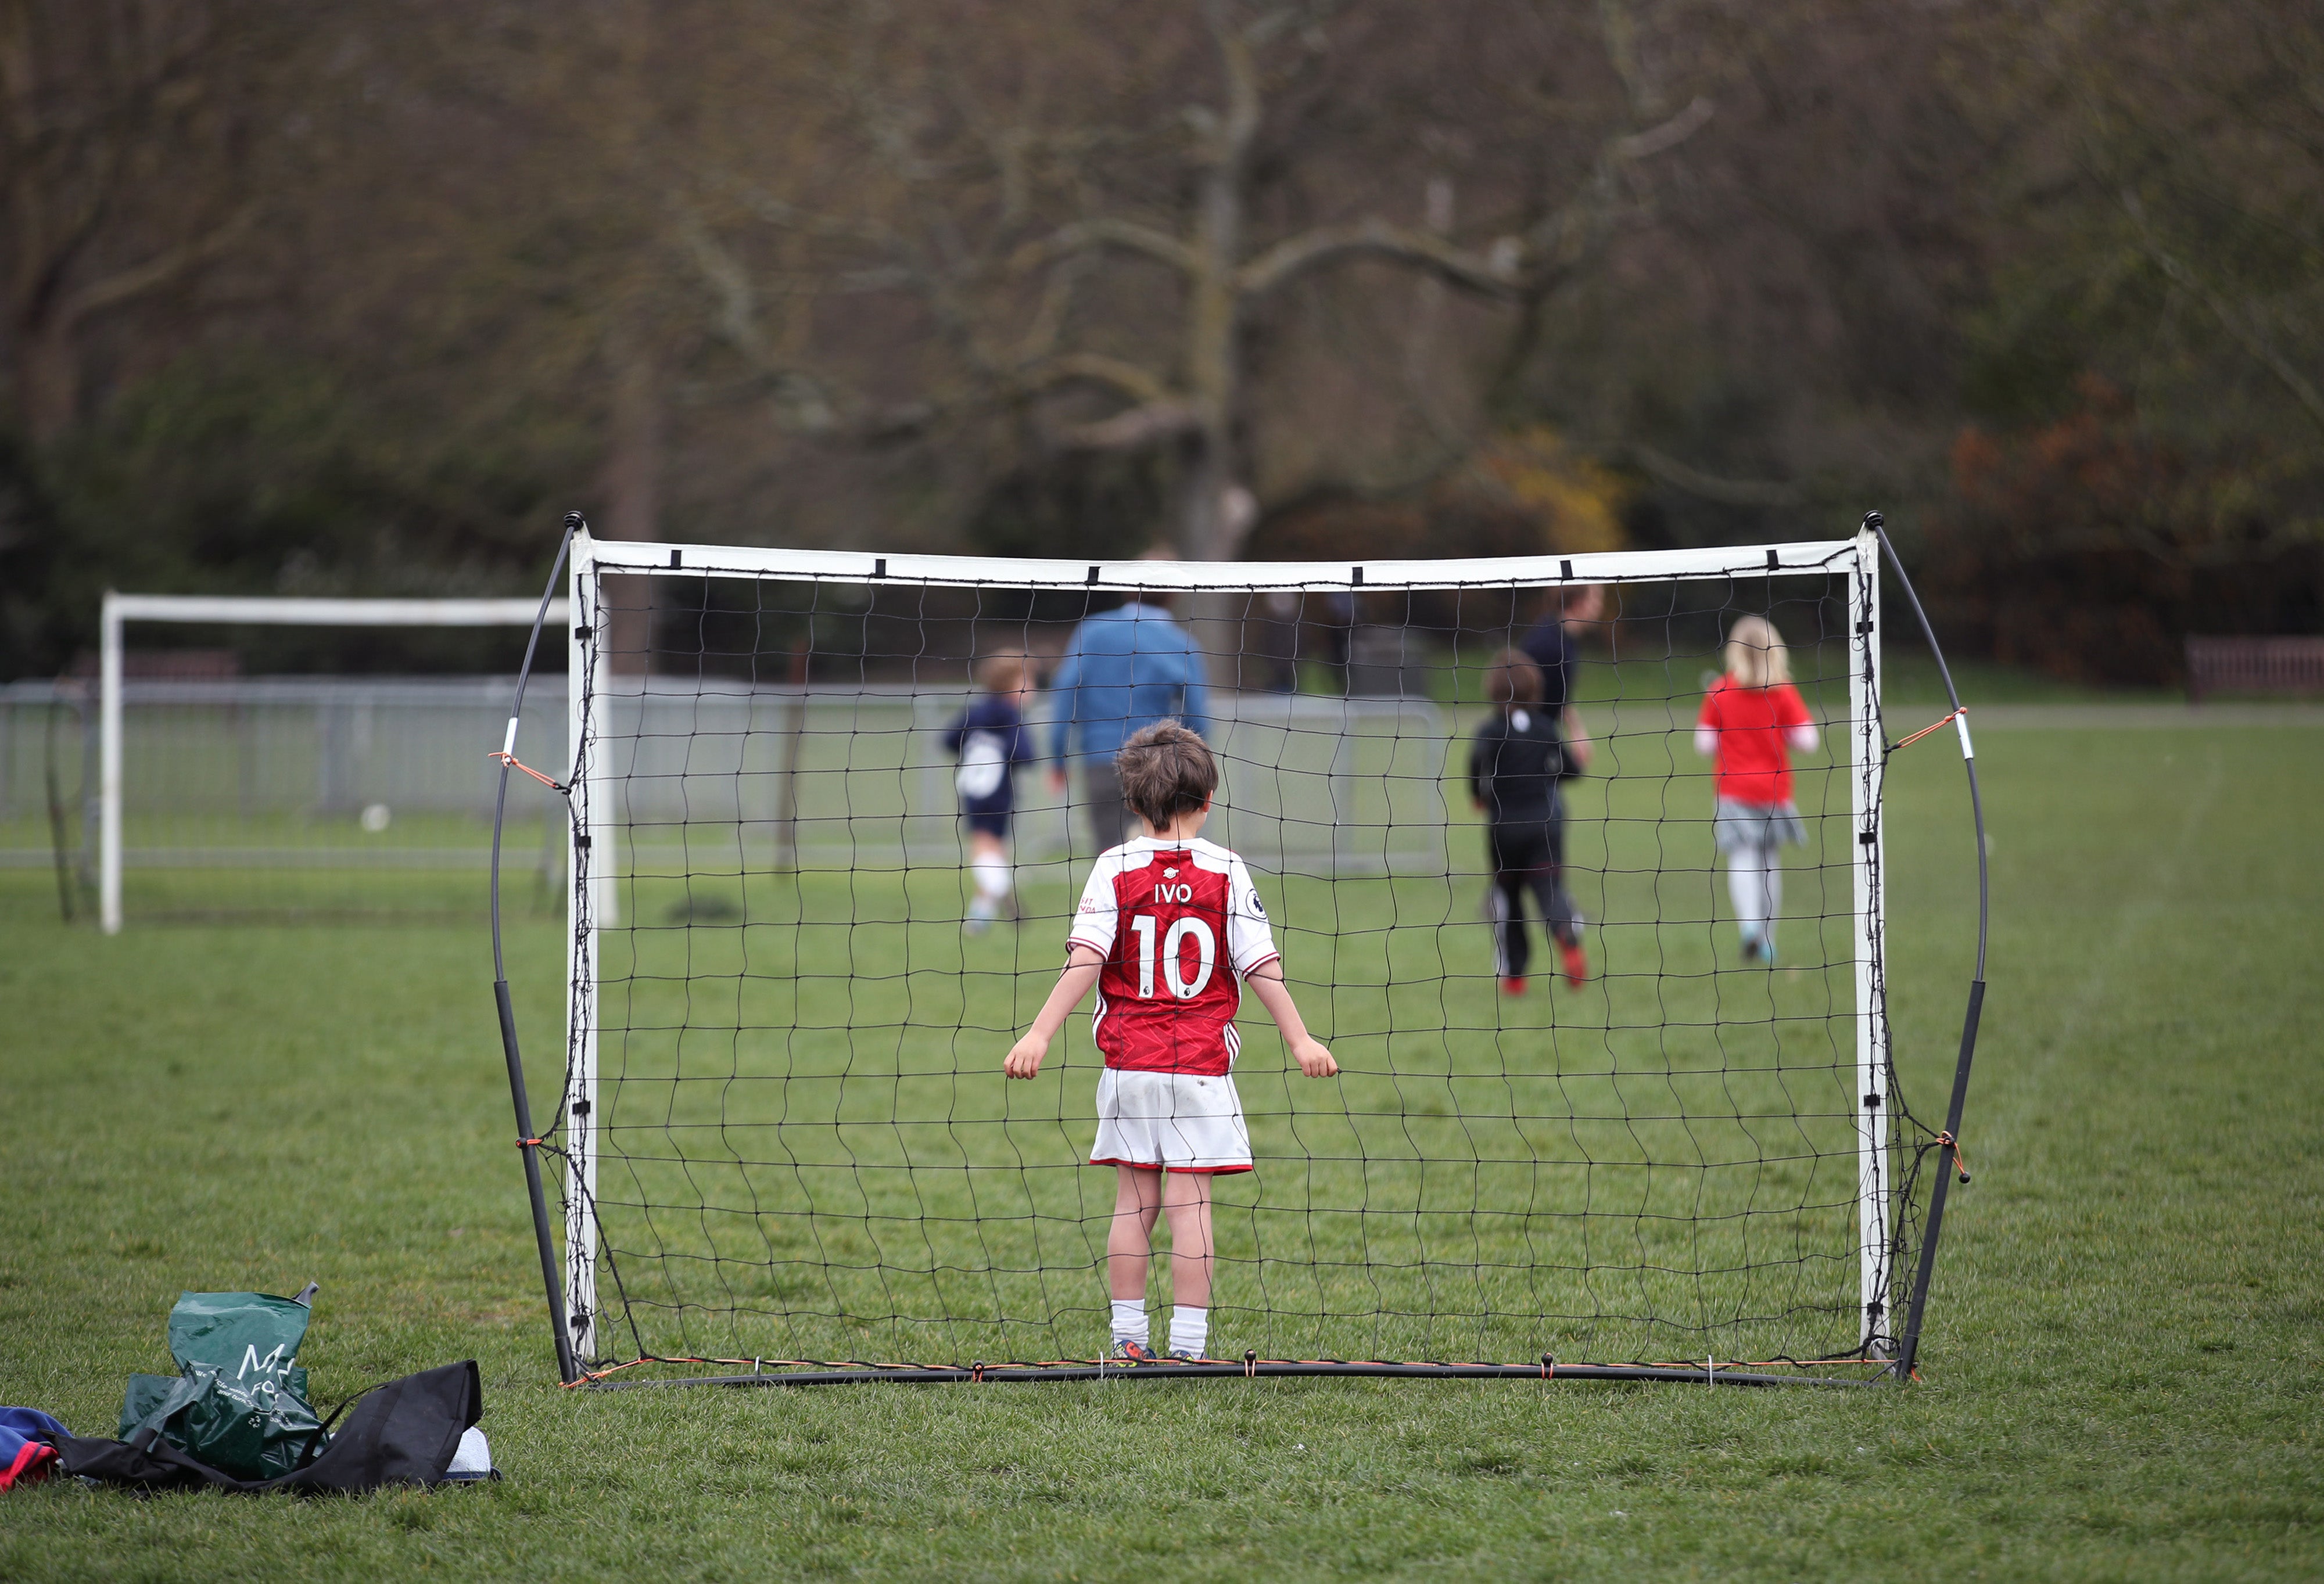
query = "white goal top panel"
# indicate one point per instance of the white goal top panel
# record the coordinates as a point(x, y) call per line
point(1808, 557)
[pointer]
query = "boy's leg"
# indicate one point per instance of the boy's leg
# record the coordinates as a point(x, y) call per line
point(1746, 883)
point(1109, 817)
point(1511, 951)
point(988, 866)
point(1129, 1248)
point(1558, 910)
point(1187, 1197)
point(1561, 920)
point(1557, 913)
point(1771, 892)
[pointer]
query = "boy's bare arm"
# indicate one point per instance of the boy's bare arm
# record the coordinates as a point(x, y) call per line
point(1025, 1057)
point(1267, 984)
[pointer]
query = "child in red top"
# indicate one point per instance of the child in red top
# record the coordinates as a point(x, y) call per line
point(1752, 719)
point(1169, 930)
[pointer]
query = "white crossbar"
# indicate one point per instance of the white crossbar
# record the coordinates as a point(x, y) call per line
point(287, 612)
point(1805, 557)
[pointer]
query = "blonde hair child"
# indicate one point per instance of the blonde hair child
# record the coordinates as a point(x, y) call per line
point(1752, 721)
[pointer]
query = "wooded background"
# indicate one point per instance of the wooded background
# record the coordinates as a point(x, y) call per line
point(357, 297)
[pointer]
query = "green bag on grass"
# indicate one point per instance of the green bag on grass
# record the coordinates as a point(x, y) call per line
point(239, 1402)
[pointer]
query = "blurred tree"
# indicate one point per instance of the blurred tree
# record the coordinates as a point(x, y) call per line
point(1092, 223)
point(2149, 454)
point(120, 122)
point(2092, 545)
point(360, 296)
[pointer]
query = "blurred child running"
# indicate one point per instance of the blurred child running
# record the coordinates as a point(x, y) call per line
point(1514, 765)
point(1753, 719)
point(991, 740)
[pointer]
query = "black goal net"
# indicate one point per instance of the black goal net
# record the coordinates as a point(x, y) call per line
point(1613, 1086)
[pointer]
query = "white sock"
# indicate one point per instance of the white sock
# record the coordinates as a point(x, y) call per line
point(1190, 1330)
point(1129, 1321)
point(991, 876)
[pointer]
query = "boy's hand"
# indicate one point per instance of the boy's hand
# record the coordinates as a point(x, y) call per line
point(1025, 1057)
point(1315, 1060)
point(1057, 782)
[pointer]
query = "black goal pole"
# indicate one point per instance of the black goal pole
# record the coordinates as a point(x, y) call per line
point(1949, 1141)
point(568, 1369)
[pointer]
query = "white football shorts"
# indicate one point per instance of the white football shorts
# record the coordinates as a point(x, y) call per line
point(1175, 1121)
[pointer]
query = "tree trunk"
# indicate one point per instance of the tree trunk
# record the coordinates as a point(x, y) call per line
point(48, 379)
point(1208, 529)
point(632, 485)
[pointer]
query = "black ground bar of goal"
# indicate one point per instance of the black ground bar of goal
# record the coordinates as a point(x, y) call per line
point(1277, 1368)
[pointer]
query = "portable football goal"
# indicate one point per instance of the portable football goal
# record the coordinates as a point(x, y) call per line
point(782, 1150)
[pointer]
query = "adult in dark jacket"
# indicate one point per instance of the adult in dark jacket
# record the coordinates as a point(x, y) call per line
point(1550, 644)
point(1122, 671)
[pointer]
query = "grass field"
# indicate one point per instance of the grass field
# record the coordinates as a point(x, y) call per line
point(2123, 1369)
point(809, 1151)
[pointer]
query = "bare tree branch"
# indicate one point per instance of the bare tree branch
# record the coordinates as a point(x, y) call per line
point(123, 285)
point(1097, 368)
point(1135, 427)
point(1241, 124)
point(1679, 127)
point(1728, 492)
point(1086, 235)
point(2245, 334)
point(1495, 272)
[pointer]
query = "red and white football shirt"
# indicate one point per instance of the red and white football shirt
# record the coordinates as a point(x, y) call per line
point(1180, 928)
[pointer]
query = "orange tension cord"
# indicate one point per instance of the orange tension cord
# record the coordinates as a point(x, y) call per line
point(515, 763)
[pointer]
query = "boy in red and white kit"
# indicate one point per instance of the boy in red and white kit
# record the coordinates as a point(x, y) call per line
point(1168, 929)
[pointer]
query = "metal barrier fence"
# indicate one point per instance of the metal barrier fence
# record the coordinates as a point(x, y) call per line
point(839, 778)
point(2254, 665)
point(271, 774)
point(349, 775)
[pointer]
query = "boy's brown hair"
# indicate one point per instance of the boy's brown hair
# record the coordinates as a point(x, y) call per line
point(1166, 770)
point(1513, 678)
point(1005, 672)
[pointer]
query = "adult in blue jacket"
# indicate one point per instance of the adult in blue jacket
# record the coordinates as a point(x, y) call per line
point(1122, 670)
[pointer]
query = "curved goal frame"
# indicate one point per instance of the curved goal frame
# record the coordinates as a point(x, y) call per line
point(1895, 1231)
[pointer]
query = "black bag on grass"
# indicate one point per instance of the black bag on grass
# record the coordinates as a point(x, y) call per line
point(404, 1433)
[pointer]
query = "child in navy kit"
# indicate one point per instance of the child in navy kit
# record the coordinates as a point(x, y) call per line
point(991, 740)
point(1514, 765)
point(1168, 931)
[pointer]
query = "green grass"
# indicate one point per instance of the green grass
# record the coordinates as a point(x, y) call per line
point(2123, 1373)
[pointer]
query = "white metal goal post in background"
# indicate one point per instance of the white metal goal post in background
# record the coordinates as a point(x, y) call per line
point(208, 609)
point(1883, 1152)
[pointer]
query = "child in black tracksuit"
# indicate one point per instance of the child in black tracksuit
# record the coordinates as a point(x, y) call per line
point(1514, 765)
